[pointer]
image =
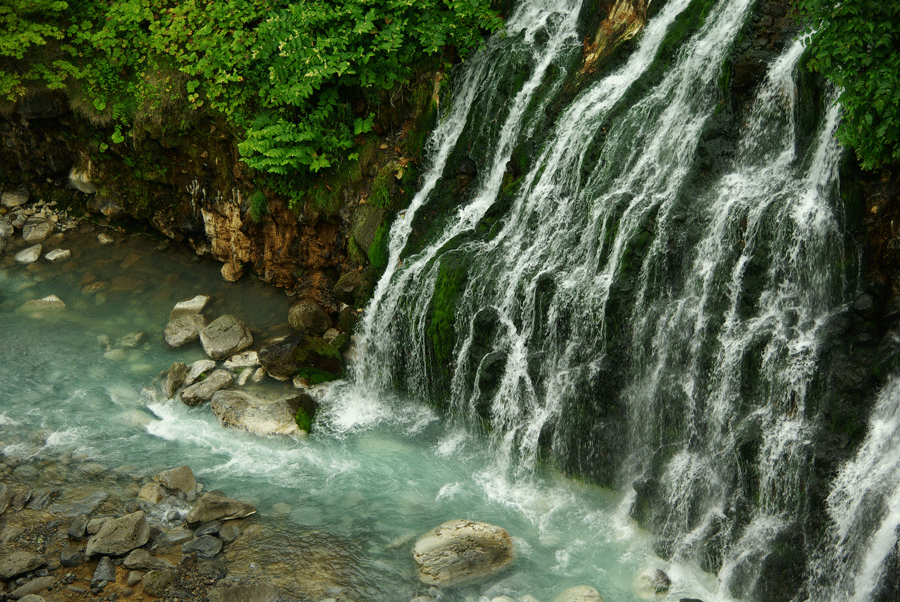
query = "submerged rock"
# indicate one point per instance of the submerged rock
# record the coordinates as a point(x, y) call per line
point(225, 336)
point(29, 255)
point(579, 593)
point(48, 303)
point(460, 552)
point(190, 306)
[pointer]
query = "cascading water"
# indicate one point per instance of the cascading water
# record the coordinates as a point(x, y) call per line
point(631, 304)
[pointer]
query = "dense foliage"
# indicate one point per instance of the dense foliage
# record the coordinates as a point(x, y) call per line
point(856, 45)
point(296, 79)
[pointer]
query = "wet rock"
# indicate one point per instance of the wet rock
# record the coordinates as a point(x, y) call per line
point(184, 329)
point(175, 377)
point(460, 552)
point(155, 582)
point(212, 507)
point(283, 360)
point(210, 528)
point(37, 230)
point(229, 532)
point(105, 239)
point(198, 368)
point(212, 569)
point(308, 316)
point(352, 286)
point(47, 304)
point(178, 479)
point(579, 593)
point(29, 255)
point(119, 536)
point(248, 359)
point(245, 411)
point(79, 526)
point(70, 557)
point(19, 563)
point(205, 546)
point(6, 496)
point(190, 306)
point(42, 499)
point(13, 199)
point(225, 336)
point(652, 581)
point(80, 181)
point(94, 525)
point(141, 559)
point(205, 389)
point(104, 573)
point(245, 593)
point(152, 493)
point(133, 578)
point(133, 340)
point(57, 255)
point(32, 587)
point(6, 229)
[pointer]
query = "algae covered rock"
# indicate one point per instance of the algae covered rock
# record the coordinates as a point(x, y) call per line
point(304, 355)
point(309, 316)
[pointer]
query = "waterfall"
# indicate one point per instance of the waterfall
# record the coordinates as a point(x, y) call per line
point(634, 287)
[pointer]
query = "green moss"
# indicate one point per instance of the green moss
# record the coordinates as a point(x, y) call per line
point(452, 275)
point(378, 250)
point(315, 376)
point(303, 420)
point(259, 206)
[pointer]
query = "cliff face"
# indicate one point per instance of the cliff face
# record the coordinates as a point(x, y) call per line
point(191, 186)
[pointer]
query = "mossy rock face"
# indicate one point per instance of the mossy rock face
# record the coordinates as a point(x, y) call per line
point(317, 354)
point(366, 222)
point(353, 287)
point(305, 408)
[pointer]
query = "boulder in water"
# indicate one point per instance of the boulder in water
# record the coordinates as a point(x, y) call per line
point(29, 255)
point(37, 230)
point(204, 390)
point(652, 581)
point(460, 552)
point(242, 410)
point(579, 593)
point(225, 336)
point(178, 479)
point(184, 329)
point(190, 306)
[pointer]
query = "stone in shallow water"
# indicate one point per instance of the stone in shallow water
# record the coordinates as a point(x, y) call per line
point(579, 593)
point(190, 306)
point(178, 479)
point(57, 255)
point(225, 336)
point(212, 507)
point(242, 410)
point(205, 546)
point(205, 389)
point(29, 255)
point(460, 552)
point(48, 303)
point(184, 329)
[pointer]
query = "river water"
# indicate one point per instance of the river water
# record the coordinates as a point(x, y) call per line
point(376, 471)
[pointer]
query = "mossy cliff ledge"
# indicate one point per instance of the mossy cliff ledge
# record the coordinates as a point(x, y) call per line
point(191, 186)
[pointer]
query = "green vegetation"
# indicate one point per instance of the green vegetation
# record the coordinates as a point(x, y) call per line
point(295, 81)
point(854, 44)
point(303, 420)
point(441, 328)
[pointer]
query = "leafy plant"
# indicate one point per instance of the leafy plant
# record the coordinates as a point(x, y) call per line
point(854, 44)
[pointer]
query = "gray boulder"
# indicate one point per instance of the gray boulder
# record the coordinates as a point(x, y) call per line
point(184, 329)
point(155, 582)
point(212, 507)
point(19, 563)
point(204, 390)
point(245, 411)
point(104, 573)
point(309, 316)
point(189, 306)
point(205, 546)
point(32, 587)
point(225, 336)
point(6, 229)
point(175, 378)
point(178, 479)
point(57, 255)
point(460, 552)
point(37, 230)
point(198, 368)
point(119, 536)
point(140, 559)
